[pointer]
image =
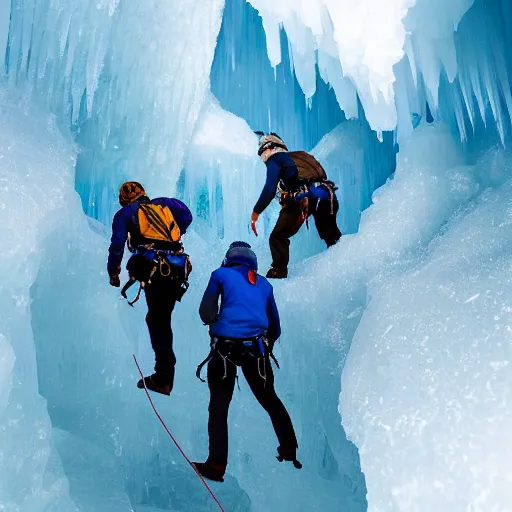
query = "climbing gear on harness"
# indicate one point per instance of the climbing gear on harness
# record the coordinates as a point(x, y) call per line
point(147, 260)
point(302, 195)
point(130, 192)
point(236, 350)
point(202, 363)
point(157, 222)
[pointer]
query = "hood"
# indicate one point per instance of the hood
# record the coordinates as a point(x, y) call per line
point(241, 256)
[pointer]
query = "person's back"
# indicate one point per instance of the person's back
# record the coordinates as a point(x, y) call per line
point(247, 301)
point(243, 328)
point(304, 190)
point(153, 230)
point(126, 221)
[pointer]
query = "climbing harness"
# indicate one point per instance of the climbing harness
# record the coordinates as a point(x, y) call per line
point(191, 464)
point(147, 260)
point(131, 282)
point(235, 351)
point(302, 195)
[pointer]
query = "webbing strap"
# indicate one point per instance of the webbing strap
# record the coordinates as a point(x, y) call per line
point(201, 364)
point(125, 288)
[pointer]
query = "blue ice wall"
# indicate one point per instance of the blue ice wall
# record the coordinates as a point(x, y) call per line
point(269, 99)
point(245, 83)
point(113, 73)
point(477, 101)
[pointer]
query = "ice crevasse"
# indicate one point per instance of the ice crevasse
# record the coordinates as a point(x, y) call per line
point(396, 345)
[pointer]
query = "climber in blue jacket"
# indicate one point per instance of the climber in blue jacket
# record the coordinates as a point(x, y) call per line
point(243, 329)
point(126, 222)
point(152, 229)
point(247, 308)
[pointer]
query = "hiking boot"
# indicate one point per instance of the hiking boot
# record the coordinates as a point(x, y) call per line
point(210, 470)
point(288, 455)
point(277, 273)
point(153, 385)
point(332, 241)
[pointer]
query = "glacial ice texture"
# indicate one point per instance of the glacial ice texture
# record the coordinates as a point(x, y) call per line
point(414, 304)
point(426, 390)
point(31, 161)
point(127, 78)
point(397, 56)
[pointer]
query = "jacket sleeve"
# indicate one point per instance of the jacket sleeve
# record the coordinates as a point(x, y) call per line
point(180, 211)
point(269, 190)
point(209, 308)
point(117, 242)
point(274, 324)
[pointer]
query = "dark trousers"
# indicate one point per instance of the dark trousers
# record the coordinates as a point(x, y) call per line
point(221, 392)
point(161, 296)
point(289, 223)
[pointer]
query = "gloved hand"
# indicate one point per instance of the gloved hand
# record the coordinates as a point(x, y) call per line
point(114, 278)
point(254, 219)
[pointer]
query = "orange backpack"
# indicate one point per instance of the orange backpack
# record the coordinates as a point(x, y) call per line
point(157, 223)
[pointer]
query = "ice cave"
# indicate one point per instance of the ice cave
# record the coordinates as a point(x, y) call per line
point(396, 345)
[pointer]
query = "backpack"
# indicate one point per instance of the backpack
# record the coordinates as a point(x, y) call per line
point(308, 167)
point(157, 222)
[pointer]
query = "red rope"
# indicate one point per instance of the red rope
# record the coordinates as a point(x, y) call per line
point(174, 440)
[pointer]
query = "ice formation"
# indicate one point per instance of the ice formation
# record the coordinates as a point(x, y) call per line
point(426, 388)
point(398, 55)
point(127, 78)
point(30, 161)
point(402, 328)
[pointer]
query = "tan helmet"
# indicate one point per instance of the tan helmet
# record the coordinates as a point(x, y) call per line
point(270, 141)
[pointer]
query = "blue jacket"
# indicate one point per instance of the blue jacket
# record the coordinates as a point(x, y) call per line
point(280, 166)
point(126, 221)
point(246, 310)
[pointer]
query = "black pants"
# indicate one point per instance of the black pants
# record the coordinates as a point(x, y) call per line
point(161, 295)
point(221, 392)
point(288, 224)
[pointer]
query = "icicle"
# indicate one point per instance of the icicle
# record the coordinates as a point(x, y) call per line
point(5, 14)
